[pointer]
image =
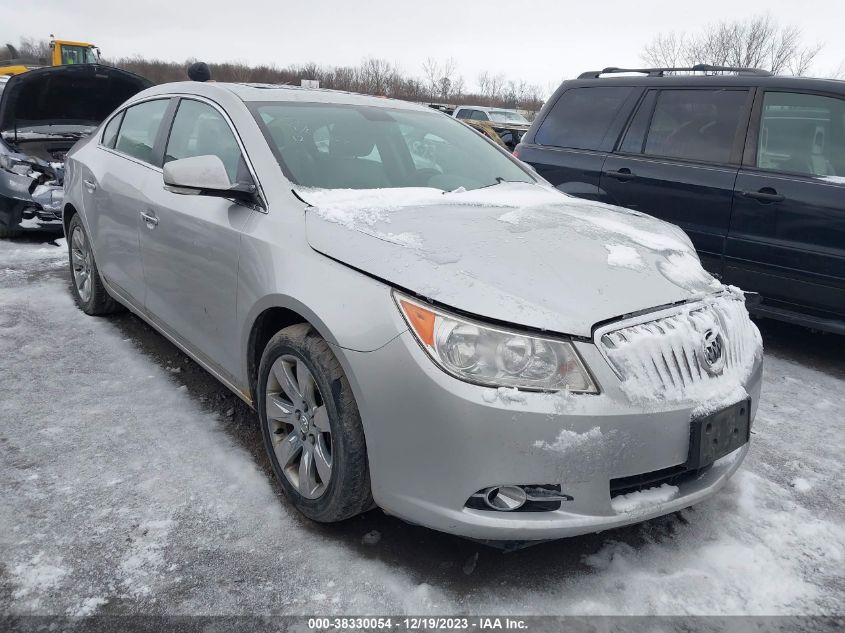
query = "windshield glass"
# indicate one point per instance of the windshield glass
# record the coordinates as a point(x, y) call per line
point(503, 116)
point(366, 147)
point(78, 55)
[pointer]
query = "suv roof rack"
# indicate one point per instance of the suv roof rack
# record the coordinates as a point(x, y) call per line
point(660, 72)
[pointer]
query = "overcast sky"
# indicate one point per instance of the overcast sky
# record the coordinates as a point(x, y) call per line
point(540, 41)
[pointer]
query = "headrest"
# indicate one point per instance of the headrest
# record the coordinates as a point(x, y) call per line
point(350, 140)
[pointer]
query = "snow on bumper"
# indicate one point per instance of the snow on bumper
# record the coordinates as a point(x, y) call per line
point(434, 441)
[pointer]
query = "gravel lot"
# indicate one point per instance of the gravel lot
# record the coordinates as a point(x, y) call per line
point(132, 482)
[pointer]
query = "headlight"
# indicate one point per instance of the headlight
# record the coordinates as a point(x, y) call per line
point(493, 356)
point(15, 166)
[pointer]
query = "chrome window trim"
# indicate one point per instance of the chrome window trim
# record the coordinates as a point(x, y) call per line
point(119, 112)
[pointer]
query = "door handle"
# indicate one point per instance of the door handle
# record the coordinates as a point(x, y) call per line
point(150, 220)
point(90, 185)
point(766, 194)
point(622, 174)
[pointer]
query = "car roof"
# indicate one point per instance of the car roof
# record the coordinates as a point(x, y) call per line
point(774, 81)
point(248, 93)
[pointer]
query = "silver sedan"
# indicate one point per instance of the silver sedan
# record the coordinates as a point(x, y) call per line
point(421, 322)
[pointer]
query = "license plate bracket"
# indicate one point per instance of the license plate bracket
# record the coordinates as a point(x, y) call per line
point(715, 435)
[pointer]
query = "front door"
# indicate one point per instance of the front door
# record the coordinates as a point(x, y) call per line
point(787, 237)
point(190, 244)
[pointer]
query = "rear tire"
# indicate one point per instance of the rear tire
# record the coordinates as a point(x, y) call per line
point(308, 415)
point(88, 290)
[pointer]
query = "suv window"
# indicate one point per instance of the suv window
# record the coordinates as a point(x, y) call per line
point(581, 117)
point(110, 133)
point(802, 133)
point(695, 124)
point(478, 115)
point(200, 130)
point(463, 113)
point(139, 129)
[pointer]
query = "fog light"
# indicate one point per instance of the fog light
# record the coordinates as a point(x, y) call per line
point(505, 498)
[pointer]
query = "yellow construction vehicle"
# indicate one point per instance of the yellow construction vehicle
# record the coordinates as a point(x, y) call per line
point(62, 53)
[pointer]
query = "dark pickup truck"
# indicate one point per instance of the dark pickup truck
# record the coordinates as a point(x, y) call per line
point(750, 165)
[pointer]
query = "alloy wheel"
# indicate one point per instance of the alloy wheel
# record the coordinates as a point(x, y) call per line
point(298, 422)
point(82, 262)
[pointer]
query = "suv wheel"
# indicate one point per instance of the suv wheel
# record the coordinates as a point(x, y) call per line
point(311, 426)
point(88, 290)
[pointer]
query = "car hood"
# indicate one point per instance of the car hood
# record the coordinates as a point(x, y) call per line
point(83, 94)
point(516, 252)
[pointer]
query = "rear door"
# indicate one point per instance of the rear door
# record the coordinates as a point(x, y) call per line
point(190, 247)
point(116, 190)
point(571, 143)
point(787, 238)
point(678, 161)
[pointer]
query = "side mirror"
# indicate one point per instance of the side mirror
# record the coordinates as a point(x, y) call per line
point(204, 176)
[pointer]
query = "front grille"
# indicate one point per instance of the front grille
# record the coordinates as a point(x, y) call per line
point(660, 354)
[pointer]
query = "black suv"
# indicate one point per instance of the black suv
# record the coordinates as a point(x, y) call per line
point(750, 165)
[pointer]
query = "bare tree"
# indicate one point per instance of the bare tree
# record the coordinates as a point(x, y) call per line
point(440, 77)
point(491, 85)
point(431, 70)
point(759, 42)
point(458, 87)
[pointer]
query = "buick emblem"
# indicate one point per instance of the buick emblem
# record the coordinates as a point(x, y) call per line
point(711, 353)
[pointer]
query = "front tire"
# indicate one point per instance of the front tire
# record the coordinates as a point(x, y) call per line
point(311, 426)
point(88, 290)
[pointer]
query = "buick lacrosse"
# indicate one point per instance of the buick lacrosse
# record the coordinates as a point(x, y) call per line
point(422, 323)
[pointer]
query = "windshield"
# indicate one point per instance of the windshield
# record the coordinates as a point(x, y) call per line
point(367, 147)
point(504, 116)
point(78, 55)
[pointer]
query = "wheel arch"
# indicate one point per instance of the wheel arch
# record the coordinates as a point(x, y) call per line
point(269, 317)
point(68, 211)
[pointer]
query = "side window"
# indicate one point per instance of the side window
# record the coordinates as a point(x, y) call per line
point(696, 124)
point(581, 117)
point(478, 115)
point(139, 129)
point(200, 130)
point(635, 136)
point(463, 113)
point(802, 133)
point(110, 132)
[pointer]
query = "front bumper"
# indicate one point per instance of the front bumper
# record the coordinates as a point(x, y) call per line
point(433, 441)
point(26, 206)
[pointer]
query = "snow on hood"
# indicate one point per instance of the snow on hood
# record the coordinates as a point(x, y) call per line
point(516, 252)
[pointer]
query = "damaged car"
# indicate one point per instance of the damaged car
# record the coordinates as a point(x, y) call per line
point(450, 339)
point(43, 112)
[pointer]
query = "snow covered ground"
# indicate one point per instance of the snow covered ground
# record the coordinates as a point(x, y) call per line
point(124, 491)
